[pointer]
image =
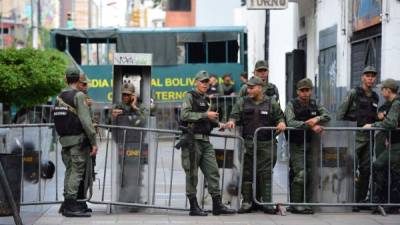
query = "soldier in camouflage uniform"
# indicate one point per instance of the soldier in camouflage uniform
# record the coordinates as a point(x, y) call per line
point(129, 105)
point(361, 105)
point(254, 111)
point(261, 71)
point(196, 116)
point(78, 140)
point(380, 167)
point(303, 112)
point(382, 135)
point(83, 86)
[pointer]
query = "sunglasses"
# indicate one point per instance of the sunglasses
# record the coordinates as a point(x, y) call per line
point(125, 94)
point(205, 81)
point(84, 84)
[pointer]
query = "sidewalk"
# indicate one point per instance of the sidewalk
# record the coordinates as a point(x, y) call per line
point(99, 216)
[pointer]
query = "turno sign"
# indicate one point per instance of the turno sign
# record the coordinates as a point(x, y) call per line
point(267, 4)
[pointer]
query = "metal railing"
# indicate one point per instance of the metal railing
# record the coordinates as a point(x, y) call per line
point(157, 169)
point(343, 142)
point(44, 114)
point(144, 162)
point(37, 145)
point(167, 113)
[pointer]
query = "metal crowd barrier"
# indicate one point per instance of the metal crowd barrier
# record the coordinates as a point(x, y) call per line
point(156, 168)
point(41, 139)
point(37, 145)
point(224, 105)
point(140, 169)
point(167, 112)
point(335, 157)
point(43, 114)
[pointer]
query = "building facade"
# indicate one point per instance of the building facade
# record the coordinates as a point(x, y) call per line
point(328, 41)
point(79, 14)
point(342, 37)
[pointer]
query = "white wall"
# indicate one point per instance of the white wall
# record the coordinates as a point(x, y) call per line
point(254, 20)
point(390, 40)
point(215, 12)
point(282, 39)
point(306, 10)
point(328, 13)
point(114, 14)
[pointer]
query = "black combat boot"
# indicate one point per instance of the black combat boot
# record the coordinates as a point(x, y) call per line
point(195, 210)
point(73, 209)
point(219, 208)
point(85, 207)
point(81, 196)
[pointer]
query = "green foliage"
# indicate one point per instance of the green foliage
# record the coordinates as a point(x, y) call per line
point(44, 39)
point(29, 76)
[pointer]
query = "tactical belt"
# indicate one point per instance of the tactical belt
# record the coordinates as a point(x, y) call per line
point(201, 136)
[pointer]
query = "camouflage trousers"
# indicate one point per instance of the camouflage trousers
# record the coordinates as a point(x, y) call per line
point(363, 163)
point(75, 159)
point(203, 156)
point(380, 142)
point(381, 175)
point(263, 172)
point(298, 174)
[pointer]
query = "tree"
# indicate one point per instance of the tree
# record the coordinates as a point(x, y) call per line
point(30, 76)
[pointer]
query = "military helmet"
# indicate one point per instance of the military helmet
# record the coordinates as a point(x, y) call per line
point(304, 83)
point(128, 88)
point(369, 69)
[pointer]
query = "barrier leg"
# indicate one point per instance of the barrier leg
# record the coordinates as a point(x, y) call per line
point(9, 196)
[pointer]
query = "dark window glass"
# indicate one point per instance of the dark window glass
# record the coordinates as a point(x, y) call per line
point(196, 53)
point(365, 53)
point(233, 51)
point(179, 5)
point(217, 52)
